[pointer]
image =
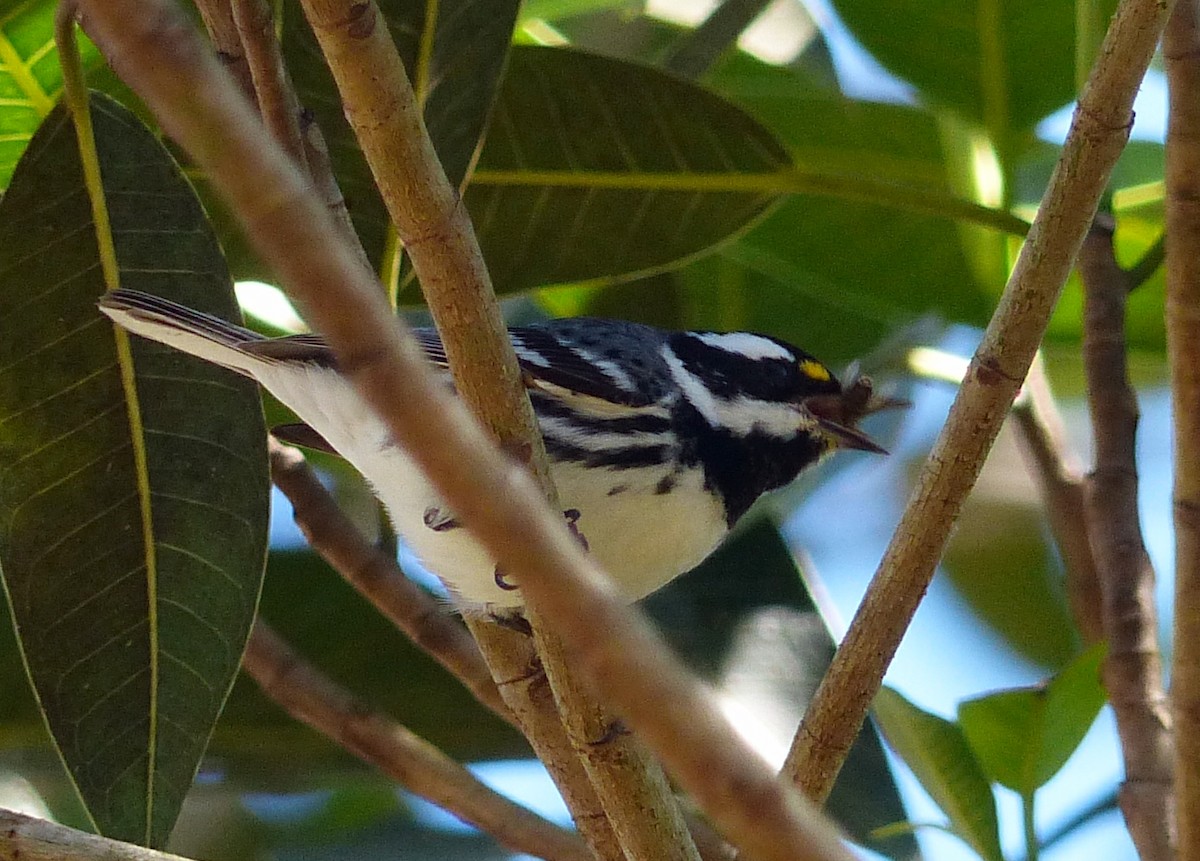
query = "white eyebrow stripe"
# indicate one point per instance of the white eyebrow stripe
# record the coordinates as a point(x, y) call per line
point(741, 415)
point(745, 344)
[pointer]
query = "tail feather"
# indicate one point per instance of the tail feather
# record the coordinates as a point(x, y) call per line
point(178, 326)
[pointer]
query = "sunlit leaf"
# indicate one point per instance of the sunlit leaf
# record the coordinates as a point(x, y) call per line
point(132, 521)
point(938, 754)
point(1022, 737)
point(1004, 65)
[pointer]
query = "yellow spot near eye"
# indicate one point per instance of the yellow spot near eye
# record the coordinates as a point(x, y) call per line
point(814, 370)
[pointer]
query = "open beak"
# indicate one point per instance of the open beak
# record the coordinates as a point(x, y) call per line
point(848, 437)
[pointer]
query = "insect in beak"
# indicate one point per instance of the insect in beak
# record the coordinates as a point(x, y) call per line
point(837, 414)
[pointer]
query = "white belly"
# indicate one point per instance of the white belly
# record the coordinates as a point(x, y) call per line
point(643, 539)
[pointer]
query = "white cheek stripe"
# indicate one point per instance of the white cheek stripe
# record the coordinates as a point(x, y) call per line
point(740, 415)
point(745, 344)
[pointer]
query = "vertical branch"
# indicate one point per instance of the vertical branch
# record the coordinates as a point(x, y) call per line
point(276, 97)
point(1098, 133)
point(222, 29)
point(1132, 668)
point(1182, 49)
point(440, 240)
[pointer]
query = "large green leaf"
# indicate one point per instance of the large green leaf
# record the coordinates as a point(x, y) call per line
point(133, 484)
point(1004, 65)
point(1022, 737)
point(938, 754)
point(454, 71)
point(578, 181)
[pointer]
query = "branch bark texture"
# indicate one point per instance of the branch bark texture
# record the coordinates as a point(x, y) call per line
point(1098, 133)
point(1181, 47)
point(1132, 668)
point(24, 838)
point(152, 46)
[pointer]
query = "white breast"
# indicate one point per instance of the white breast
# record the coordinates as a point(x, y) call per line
point(641, 537)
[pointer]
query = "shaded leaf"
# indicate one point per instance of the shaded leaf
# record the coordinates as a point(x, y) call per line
point(1022, 737)
point(132, 532)
point(938, 754)
point(454, 73)
point(577, 181)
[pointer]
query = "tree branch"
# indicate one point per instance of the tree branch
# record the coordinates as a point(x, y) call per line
point(24, 838)
point(437, 233)
point(1098, 133)
point(153, 47)
point(1059, 476)
point(223, 31)
point(316, 700)
point(276, 97)
point(1181, 47)
point(1132, 668)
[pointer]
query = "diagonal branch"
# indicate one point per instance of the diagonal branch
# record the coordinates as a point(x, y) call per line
point(1098, 134)
point(1059, 477)
point(153, 46)
point(1181, 47)
point(24, 838)
point(1132, 668)
point(316, 700)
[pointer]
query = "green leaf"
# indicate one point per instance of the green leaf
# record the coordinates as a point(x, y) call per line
point(578, 181)
point(1016, 587)
point(134, 483)
point(30, 78)
point(1022, 737)
point(938, 754)
point(1005, 65)
point(454, 71)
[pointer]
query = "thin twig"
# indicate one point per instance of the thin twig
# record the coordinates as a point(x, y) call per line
point(24, 838)
point(1181, 47)
point(1098, 134)
point(1132, 667)
point(383, 111)
point(698, 50)
point(1145, 267)
point(1059, 475)
point(277, 101)
point(379, 579)
point(313, 698)
point(152, 45)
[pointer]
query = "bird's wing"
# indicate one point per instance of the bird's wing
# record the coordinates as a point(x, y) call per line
point(545, 360)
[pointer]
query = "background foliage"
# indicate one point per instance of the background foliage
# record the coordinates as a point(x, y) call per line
point(752, 194)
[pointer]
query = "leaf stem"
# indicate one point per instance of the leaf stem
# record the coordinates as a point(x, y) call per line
point(1031, 838)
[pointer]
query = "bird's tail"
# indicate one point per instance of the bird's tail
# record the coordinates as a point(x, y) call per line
point(203, 335)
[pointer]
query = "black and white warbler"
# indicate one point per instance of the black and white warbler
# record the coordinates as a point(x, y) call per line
point(658, 441)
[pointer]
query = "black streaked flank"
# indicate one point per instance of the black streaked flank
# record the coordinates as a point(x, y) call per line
point(615, 458)
point(554, 408)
